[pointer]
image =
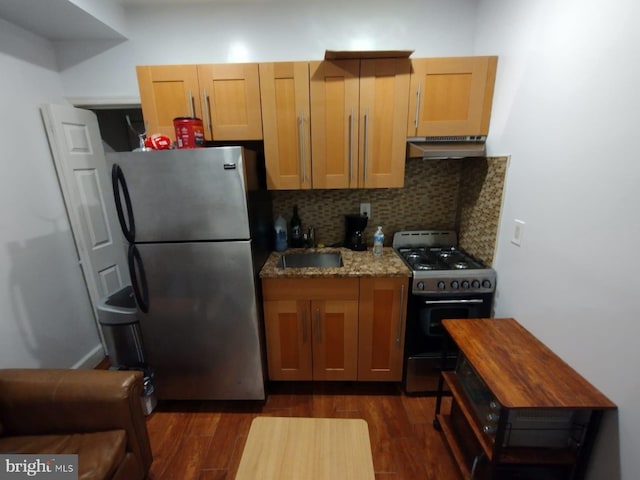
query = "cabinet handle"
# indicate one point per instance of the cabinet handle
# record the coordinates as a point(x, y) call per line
point(207, 112)
point(351, 146)
point(366, 140)
point(400, 316)
point(415, 121)
point(472, 301)
point(303, 320)
point(318, 333)
point(191, 105)
point(302, 162)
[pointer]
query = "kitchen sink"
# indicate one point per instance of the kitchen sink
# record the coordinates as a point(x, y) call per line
point(310, 260)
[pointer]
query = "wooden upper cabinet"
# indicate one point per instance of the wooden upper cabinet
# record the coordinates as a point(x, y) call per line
point(167, 92)
point(383, 306)
point(358, 122)
point(384, 103)
point(284, 91)
point(225, 96)
point(231, 93)
point(335, 102)
point(451, 96)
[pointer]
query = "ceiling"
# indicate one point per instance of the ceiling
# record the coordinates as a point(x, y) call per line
point(64, 20)
point(148, 3)
point(56, 20)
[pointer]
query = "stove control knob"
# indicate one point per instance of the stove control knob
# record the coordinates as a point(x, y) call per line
point(489, 429)
point(441, 285)
point(465, 284)
point(486, 283)
point(475, 284)
point(455, 284)
point(420, 285)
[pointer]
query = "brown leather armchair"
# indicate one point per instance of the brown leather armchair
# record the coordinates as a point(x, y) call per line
point(96, 414)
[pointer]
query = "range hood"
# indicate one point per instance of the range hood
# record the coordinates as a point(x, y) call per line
point(446, 147)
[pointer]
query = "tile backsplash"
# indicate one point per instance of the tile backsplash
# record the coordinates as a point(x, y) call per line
point(480, 204)
point(437, 194)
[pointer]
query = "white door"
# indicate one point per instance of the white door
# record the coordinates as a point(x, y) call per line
point(76, 146)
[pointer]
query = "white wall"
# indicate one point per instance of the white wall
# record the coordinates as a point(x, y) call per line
point(567, 109)
point(45, 315)
point(269, 31)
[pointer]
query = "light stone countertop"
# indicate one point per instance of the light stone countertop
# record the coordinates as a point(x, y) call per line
point(355, 264)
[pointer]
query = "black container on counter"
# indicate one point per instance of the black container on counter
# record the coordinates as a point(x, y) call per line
point(296, 229)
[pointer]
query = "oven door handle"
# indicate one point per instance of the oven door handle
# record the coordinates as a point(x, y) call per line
point(474, 301)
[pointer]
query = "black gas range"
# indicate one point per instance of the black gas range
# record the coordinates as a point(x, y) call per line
point(447, 283)
point(439, 267)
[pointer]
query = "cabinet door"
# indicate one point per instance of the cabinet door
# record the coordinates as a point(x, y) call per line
point(384, 103)
point(284, 92)
point(383, 306)
point(231, 93)
point(451, 96)
point(288, 338)
point(335, 339)
point(334, 125)
point(167, 92)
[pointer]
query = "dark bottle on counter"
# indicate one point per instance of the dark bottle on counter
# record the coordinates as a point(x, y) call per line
point(296, 229)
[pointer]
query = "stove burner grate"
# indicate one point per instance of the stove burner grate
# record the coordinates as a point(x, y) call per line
point(424, 266)
point(460, 265)
point(438, 258)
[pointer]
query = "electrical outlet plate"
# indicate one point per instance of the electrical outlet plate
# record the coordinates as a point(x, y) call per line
point(365, 209)
point(518, 231)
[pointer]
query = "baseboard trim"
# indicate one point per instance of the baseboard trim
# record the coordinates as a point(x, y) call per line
point(91, 359)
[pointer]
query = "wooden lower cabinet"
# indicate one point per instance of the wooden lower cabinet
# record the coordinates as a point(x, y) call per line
point(383, 312)
point(311, 328)
point(335, 328)
point(288, 335)
point(335, 339)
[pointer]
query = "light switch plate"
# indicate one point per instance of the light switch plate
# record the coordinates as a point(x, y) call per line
point(518, 231)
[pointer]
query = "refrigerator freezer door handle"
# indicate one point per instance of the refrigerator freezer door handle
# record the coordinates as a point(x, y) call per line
point(120, 185)
point(140, 290)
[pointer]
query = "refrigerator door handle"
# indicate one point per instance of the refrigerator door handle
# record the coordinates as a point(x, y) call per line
point(120, 186)
point(136, 267)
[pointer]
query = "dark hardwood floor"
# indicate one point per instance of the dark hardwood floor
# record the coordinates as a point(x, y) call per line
point(204, 440)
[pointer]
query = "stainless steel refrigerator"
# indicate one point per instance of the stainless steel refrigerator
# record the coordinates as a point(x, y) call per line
point(198, 226)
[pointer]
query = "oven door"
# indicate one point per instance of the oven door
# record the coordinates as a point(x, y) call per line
point(425, 336)
point(433, 311)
